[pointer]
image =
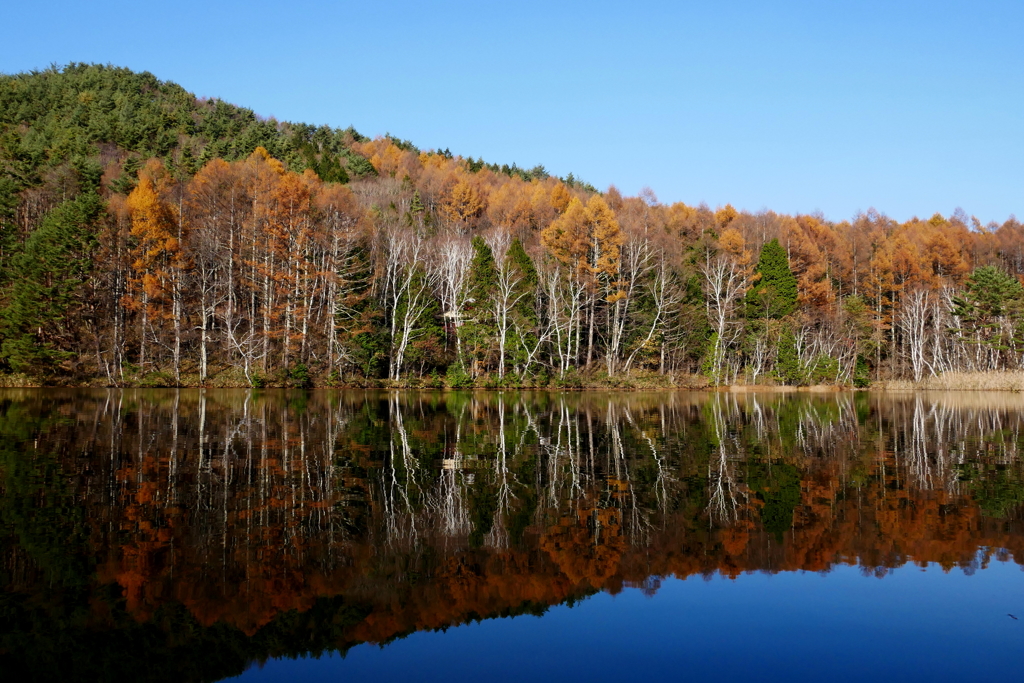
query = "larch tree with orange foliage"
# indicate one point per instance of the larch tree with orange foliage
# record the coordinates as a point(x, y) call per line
point(158, 262)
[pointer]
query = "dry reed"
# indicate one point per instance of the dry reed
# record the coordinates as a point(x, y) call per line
point(1011, 380)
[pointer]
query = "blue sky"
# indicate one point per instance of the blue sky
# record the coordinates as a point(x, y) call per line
point(908, 107)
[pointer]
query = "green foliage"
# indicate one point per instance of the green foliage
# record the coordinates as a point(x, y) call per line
point(574, 182)
point(523, 264)
point(823, 369)
point(861, 373)
point(8, 233)
point(998, 490)
point(369, 351)
point(774, 294)
point(416, 206)
point(570, 379)
point(47, 117)
point(778, 485)
point(707, 365)
point(990, 293)
point(482, 274)
point(788, 368)
point(157, 380)
point(456, 377)
point(990, 296)
point(477, 333)
point(298, 376)
point(47, 276)
point(360, 167)
point(523, 335)
point(483, 505)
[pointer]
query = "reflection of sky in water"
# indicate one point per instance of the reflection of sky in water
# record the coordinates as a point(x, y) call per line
point(913, 625)
point(183, 535)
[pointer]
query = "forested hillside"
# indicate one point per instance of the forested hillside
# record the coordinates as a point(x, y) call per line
point(150, 237)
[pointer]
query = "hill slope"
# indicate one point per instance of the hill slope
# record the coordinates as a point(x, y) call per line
point(147, 236)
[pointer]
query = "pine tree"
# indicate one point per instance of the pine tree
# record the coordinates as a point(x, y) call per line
point(8, 230)
point(522, 340)
point(991, 296)
point(521, 261)
point(48, 275)
point(788, 367)
point(481, 274)
point(774, 294)
point(478, 332)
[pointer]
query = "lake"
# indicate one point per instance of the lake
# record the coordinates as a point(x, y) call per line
point(205, 535)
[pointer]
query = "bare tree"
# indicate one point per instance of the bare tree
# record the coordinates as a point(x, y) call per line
point(725, 282)
point(508, 292)
point(449, 272)
point(406, 290)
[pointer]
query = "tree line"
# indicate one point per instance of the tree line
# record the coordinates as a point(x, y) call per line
point(150, 237)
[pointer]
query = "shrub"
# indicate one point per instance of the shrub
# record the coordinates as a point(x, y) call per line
point(457, 378)
point(299, 377)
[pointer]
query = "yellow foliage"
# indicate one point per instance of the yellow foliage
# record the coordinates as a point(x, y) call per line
point(509, 206)
point(389, 161)
point(463, 203)
point(566, 237)
point(725, 215)
point(560, 197)
point(588, 238)
point(732, 241)
point(607, 236)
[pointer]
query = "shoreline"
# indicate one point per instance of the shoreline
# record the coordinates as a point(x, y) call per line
point(1003, 382)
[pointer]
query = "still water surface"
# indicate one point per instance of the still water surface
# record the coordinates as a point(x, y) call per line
point(165, 535)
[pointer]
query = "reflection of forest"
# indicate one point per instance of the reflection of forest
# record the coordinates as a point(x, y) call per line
point(188, 533)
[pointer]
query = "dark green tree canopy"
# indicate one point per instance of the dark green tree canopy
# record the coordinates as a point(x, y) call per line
point(46, 280)
point(519, 260)
point(482, 271)
point(56, 114)
point(990, 298)
point(774, 294)
point(991, 293)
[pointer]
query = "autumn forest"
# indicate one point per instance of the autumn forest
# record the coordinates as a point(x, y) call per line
point(150, 238)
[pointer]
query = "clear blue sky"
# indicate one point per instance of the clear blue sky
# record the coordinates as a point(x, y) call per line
point(832, 106)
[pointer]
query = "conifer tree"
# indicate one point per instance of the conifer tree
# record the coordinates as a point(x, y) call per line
point(481, 273)
point(788, 367)
point(521, 261)
point(47, 277)
point(991, 297)
point(524, 316)
point(774, 294)
point(8, 230)
point(479, 328)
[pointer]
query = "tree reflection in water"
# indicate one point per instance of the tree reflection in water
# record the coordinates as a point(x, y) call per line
point(181, 535)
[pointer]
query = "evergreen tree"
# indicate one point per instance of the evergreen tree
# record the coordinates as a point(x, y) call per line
point(478, 331)
point(8, 230)
point(991, 297)
point(522, 335)
point(774, 294)
point(47, 277)
point(523, 264)
point(788, 367)
point(482, 272)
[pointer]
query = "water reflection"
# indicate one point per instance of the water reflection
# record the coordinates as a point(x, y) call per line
point(180, 535)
